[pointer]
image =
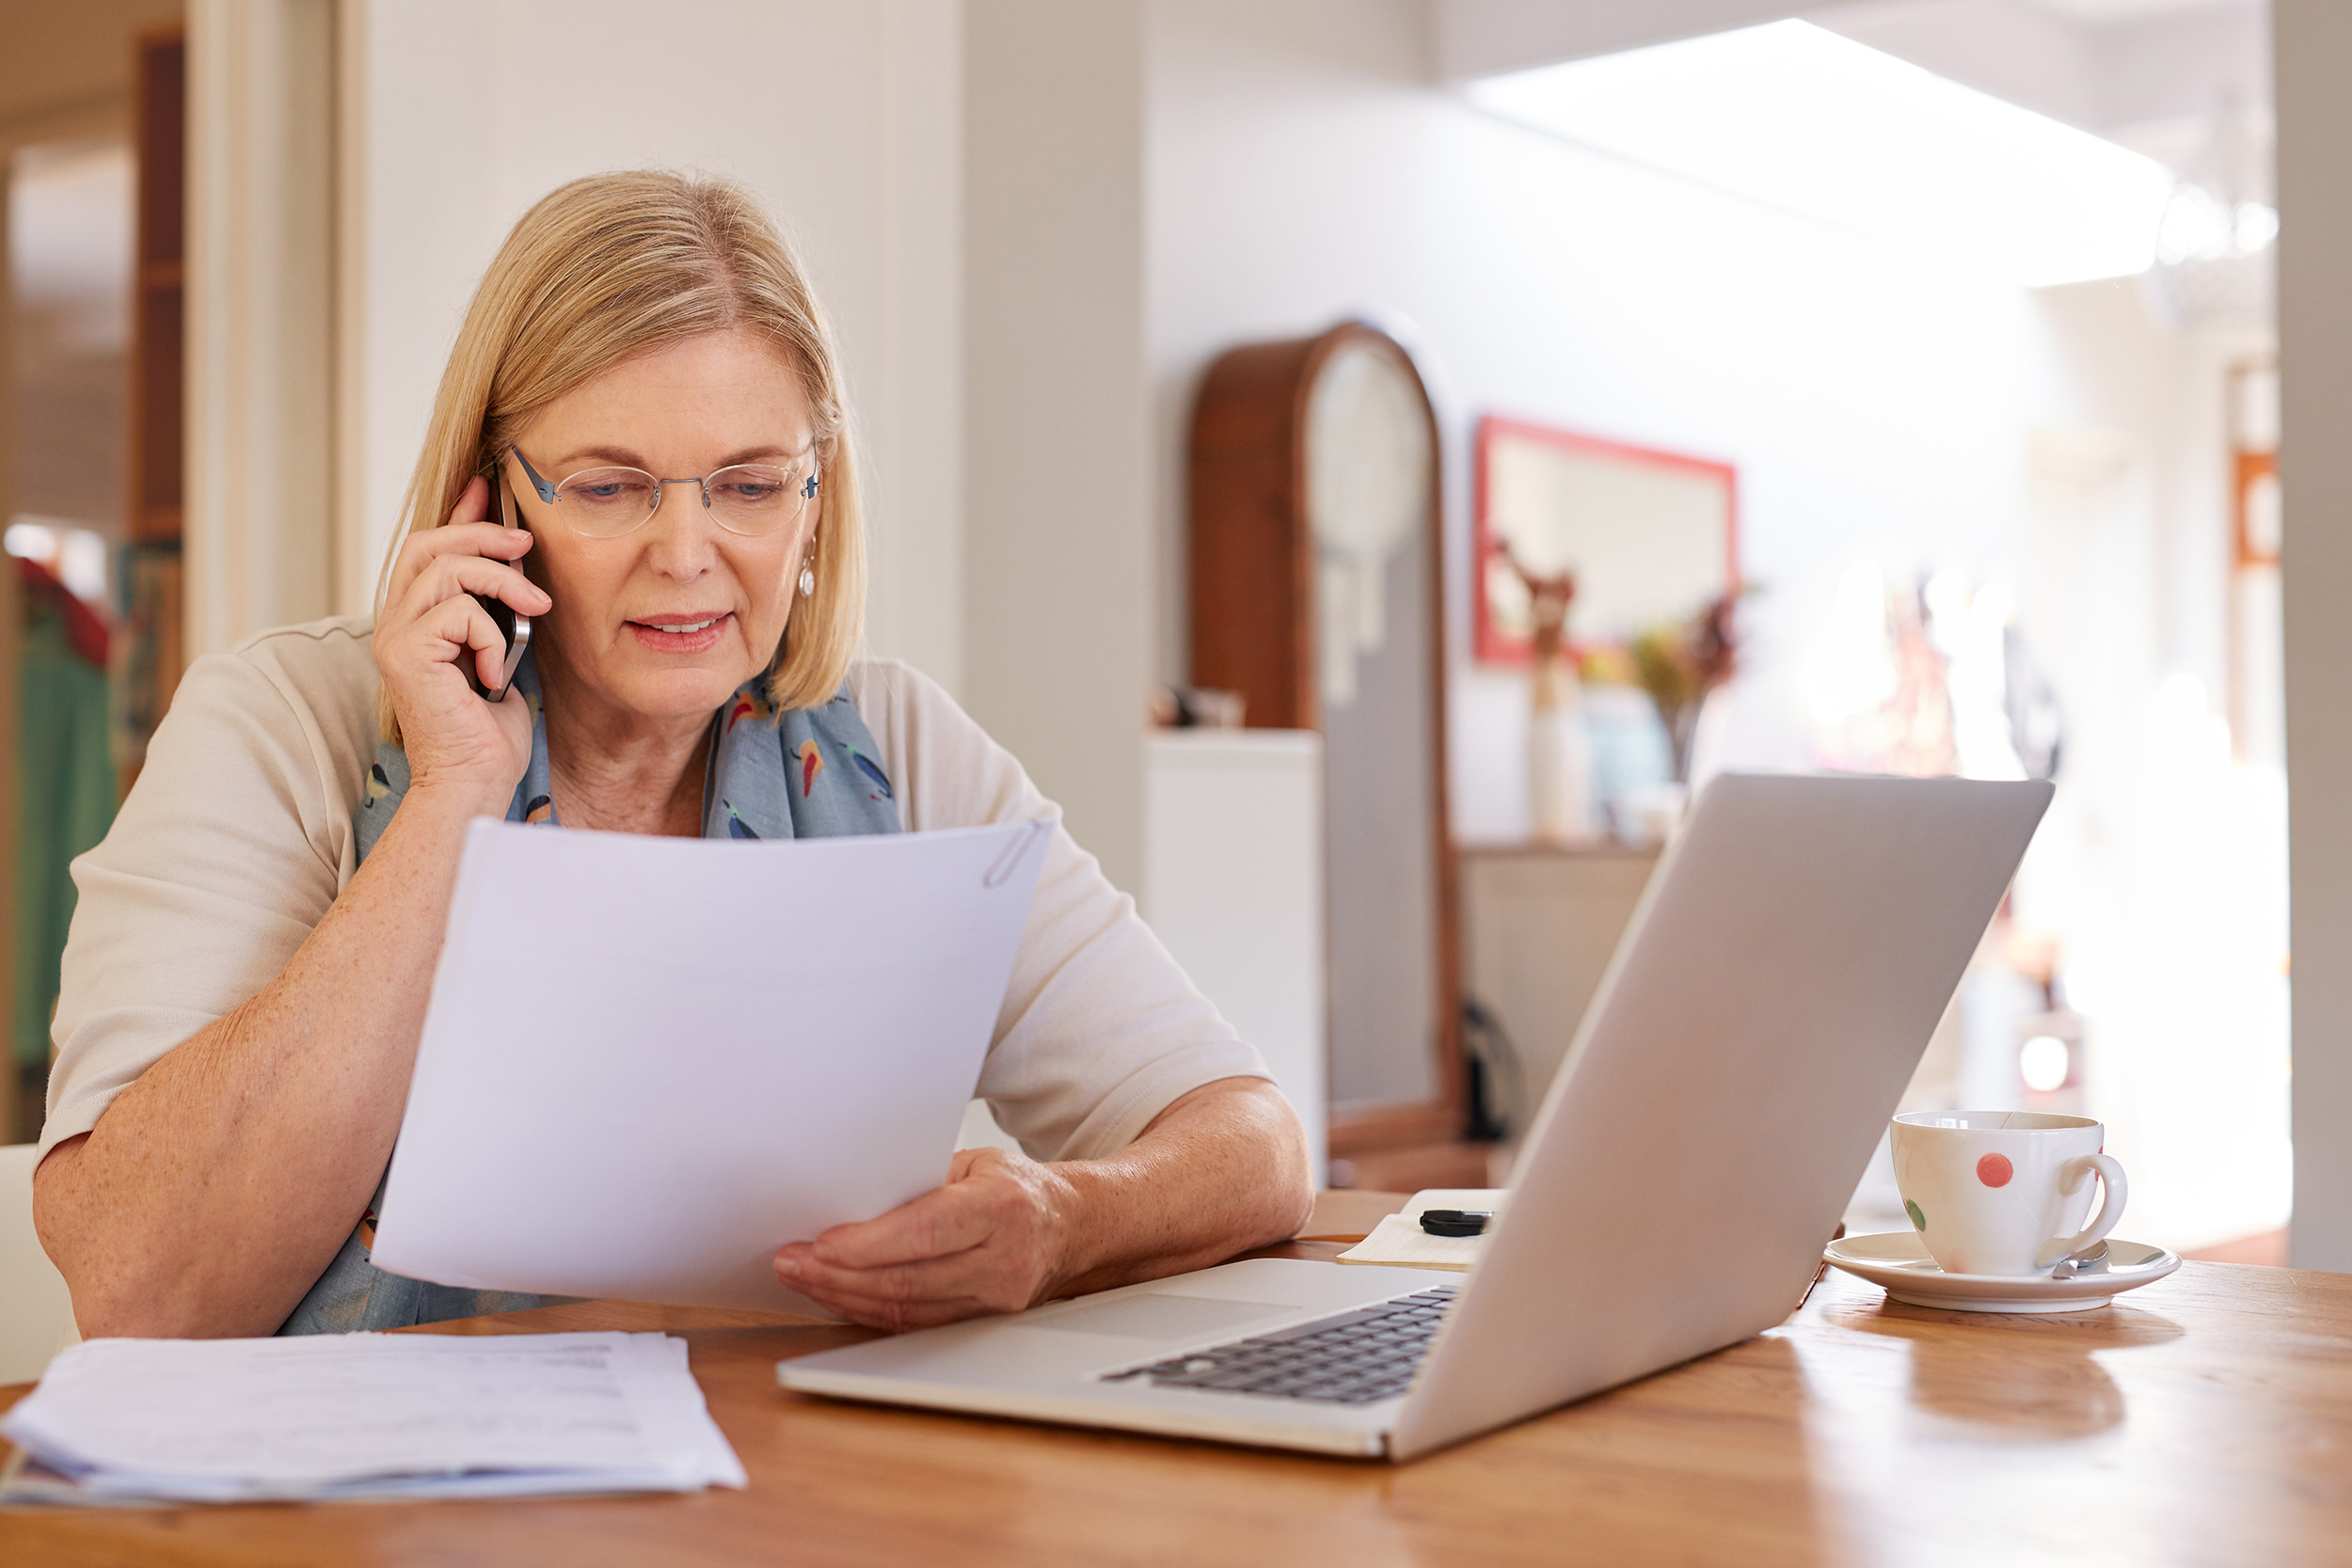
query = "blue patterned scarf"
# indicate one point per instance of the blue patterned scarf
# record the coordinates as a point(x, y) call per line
point(812, 773)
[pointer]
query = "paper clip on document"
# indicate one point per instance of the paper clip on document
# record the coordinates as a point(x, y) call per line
point(1010, 860)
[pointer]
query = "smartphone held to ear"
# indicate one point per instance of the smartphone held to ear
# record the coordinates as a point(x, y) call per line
point(514, 628)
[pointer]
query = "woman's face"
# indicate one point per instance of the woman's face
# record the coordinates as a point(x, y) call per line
point(680, 412)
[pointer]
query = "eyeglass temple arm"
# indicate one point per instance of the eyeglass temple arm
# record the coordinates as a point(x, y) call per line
point(547, 491)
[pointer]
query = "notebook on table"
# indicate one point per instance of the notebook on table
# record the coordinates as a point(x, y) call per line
point(1399, 1239)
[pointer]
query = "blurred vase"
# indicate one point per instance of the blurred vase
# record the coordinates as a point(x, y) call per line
point(1559, 759)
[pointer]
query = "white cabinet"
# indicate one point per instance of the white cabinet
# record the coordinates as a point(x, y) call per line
point(1232, 882)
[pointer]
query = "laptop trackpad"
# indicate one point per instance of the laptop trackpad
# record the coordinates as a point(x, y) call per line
point(1163, 1316)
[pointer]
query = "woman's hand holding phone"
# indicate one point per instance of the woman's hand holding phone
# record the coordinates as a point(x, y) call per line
point(433, 630)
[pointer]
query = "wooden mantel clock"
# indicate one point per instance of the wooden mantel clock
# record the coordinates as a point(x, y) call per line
point(1317, 594)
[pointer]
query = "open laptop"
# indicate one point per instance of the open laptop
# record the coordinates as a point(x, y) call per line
point(1756, 1028)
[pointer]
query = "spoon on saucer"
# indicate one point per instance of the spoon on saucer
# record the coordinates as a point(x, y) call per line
point(2091, 1260)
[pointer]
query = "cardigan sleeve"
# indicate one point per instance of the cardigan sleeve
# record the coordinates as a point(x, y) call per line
point(228, 851)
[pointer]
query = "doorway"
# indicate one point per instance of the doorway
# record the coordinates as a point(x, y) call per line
point(91, 138)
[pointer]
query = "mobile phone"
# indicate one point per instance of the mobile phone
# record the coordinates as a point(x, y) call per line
point(514, 628)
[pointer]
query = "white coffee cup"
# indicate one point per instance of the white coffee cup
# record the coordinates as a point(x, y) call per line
point(2004, 1192)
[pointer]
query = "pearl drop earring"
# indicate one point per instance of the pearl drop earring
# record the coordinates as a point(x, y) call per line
point(808, 580)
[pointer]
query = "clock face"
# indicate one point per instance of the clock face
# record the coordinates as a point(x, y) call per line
point(1368, 473)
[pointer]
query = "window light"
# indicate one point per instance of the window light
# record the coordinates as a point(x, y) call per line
point(1799, 118)
point(2045, 1063)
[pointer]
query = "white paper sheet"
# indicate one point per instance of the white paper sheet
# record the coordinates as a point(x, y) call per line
point(367, 1414)
point(648, 1063)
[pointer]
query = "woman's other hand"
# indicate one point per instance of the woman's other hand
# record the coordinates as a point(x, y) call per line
point(995, 1238)
point(456, 741)
point(1221, 1170)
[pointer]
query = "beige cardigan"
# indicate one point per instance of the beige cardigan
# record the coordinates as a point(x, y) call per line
point(238, 837)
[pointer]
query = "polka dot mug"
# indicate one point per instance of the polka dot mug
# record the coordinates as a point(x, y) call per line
point(2004, 1192)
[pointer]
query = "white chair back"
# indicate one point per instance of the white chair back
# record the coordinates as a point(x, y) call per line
point(36, 1311)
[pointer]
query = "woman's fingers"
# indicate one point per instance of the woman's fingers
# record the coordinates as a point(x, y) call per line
point(447, 628)
point(474, 537)
point(473, 506)
point(450, 632)
point(453, 577)
point(433, 631)
point(912, 1295)
point(984, 1242)
point(474, 632)
point(424, 552)
point(945, 1220)
point(988, 1273)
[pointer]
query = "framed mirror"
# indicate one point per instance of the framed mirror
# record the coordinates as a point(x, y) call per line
point(1650, 536)
point(1315, 594)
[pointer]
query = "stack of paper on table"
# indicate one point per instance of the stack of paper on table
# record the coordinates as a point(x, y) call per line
point(330, 1417)
point(1399, 1239)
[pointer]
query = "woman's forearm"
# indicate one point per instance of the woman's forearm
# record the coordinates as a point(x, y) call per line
point(216, 1188)
point(1221, 1170)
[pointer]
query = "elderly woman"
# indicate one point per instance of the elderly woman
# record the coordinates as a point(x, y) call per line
point(647, 385)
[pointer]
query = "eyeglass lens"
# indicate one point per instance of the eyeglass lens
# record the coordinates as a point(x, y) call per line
point(750, 499)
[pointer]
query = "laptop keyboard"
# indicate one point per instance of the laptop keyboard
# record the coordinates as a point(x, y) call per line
point(1352, 1359)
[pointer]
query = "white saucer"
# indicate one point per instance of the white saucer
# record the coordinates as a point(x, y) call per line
point(1899, 1261)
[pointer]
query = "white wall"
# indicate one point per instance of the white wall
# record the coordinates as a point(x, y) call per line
point(844, 120)
point(1057, 603)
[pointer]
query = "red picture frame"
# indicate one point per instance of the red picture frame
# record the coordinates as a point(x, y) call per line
point(1490, 644)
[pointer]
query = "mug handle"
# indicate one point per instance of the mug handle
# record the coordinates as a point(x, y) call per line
point(2110, 1205)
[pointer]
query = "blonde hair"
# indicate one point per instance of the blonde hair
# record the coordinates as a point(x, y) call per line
point(617, 265)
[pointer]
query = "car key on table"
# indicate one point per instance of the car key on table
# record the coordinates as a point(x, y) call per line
point(1456, 1221)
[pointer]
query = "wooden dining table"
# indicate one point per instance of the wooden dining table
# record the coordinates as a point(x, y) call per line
point(2202, 1419)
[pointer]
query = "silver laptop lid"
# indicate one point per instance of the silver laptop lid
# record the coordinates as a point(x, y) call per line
point(1756, 1029)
